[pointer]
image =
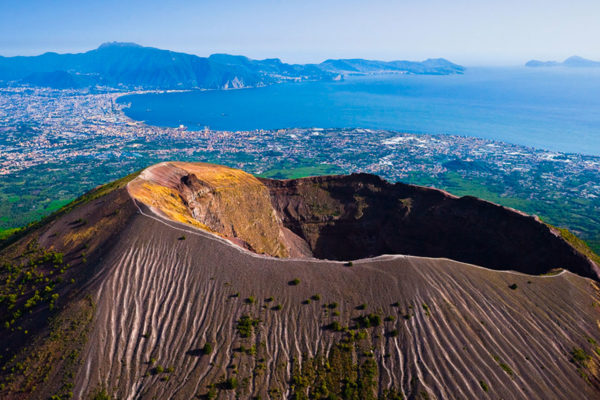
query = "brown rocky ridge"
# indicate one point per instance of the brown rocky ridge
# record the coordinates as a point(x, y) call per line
point(201, 281)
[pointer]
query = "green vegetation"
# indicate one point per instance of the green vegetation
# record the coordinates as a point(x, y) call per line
point(64, 207)
point(29, 283)
point(349, 264)
point(580, 245)
point(294, 282)
point(207, 349)
point(251, 351)
point(56, 354)
point(484, 386)
point(513, 286)
point(159, 369)
point(334, 326)
point(368, 321)
point(361, 307)
point(579, 356)
point(250, 300)
point(315, 297)
point(426, 309)
point(391, 394)
point(504, 366)
point(337, 376)
point(229, 384)
point(100, 394)
point(245, 325)
point(4, 233)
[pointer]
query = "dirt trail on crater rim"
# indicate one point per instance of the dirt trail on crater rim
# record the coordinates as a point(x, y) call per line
point(157, 266)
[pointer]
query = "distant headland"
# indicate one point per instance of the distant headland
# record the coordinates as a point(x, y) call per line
point(130, 66)
point(571, 62)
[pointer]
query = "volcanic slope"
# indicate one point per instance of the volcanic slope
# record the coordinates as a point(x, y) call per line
point(150, 304)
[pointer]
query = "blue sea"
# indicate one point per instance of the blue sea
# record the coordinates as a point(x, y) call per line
point(554, 109)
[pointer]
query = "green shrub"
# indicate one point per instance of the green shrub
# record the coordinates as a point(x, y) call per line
point(207, 349)
point(506, 369)
point(246, 324)
point(368, 321)
point(100, 395)
point(212, 393)
point(159, 369)
point(502, 365)
point(229, 384)
point(579, 356)
point(334, 326)
point(484, 386)
point(591, 341)
point(294, 282)
point(315, 297)
point(426, 308)
point(513, 286)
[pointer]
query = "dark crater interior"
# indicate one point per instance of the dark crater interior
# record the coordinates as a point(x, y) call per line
point(361, 215)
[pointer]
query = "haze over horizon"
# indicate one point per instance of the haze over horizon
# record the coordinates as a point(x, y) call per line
point(509, 32)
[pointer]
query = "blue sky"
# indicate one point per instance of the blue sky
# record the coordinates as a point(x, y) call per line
point(483, 32)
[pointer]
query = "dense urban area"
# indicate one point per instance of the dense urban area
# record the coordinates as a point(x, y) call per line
point(57, 144)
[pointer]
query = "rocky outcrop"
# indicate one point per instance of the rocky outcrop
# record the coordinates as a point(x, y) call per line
point(225, 201)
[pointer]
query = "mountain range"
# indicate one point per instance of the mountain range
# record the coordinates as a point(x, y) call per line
point(191, 280)
point(571, 62)
point(131, 66)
